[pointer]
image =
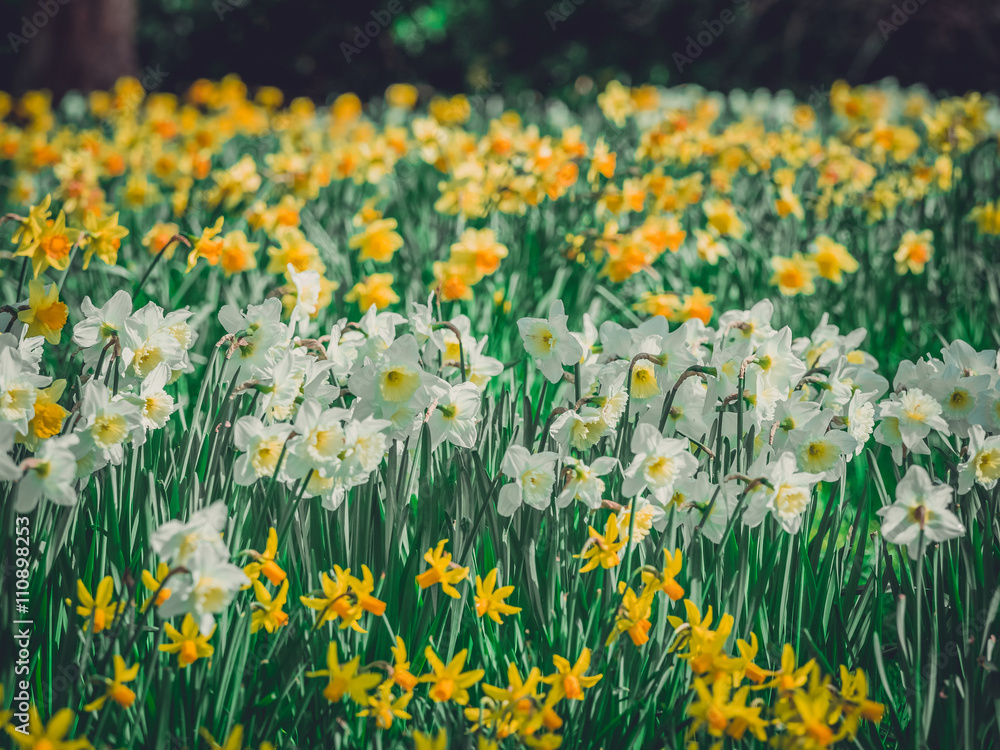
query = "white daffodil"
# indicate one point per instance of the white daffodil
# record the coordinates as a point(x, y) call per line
point(860, 419)
point(533, 476)
point(147, 341)
point(584, 482)
point(916, 414)
point(185, 543)
point(100, 324)
point(705, 504)
point(479, 368)
point(957, 396)
point(821, 452)
point(365, 446)
point(921, 506)
point(258, 337)
point(18, 391)
point(320, 443)
point(983, 464)
point(261, 448)
point(49, 474)
point(550, 343)
point(579, 429)
point(109, 420)
point(308, 290)
point(658, 463)
point(778, 367)
point(749, 328)
point(454, 416)
point(790, 491)
point(155, 404)
point(987, 411)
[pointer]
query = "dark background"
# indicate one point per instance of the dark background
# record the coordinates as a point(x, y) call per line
point(506, 46)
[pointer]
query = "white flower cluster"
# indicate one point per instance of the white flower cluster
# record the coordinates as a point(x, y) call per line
point(202, 581)
point(332, 448)
point(810, 404)
point(128, 358)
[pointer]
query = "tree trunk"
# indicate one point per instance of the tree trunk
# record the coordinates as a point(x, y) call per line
point(84, 44)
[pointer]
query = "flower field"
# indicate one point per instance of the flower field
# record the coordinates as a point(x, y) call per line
point(669, 420)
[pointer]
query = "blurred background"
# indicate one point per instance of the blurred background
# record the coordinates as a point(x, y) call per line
point(320, 48)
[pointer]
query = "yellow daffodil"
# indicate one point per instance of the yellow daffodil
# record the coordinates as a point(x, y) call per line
point(383, 707)
point(789, 677)
point(98, 608)
point(423, 741)
point(344, 679)
point(378, 242)
point(832, 259)
point(265, 562)
point(449, 682)
point(188, 642)
point(104, 238)
point(208, 246)
point(154, 583)
point(401, 667)
point(375, 289)
point(633, 615)
point(442, 570)
point(569, 680)
point(602, 549)
point(664, 580)
point(116, 689)
point(794, 275)
point(489, 599)
point(49, 416)
point(915, 249)
point(51, 736)
point(45, 315)
point(267, 611)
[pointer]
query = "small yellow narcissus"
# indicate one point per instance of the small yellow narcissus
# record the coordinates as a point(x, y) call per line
point(379, 241)
point(188, 642)
point(794, 275)
point(51, 736)
point(265, 563)
point(116, 689)
point(155, 584)
point(450, 682)
point(344, 679)
point(490, 600)
point(832, 259)
point(267, 612)
point(45, 315)
point(49, 415)
point(97, 608)
point(375, 289)
point(569, 680)
point(602, 549)
point(915, 249)
point(442, 570)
